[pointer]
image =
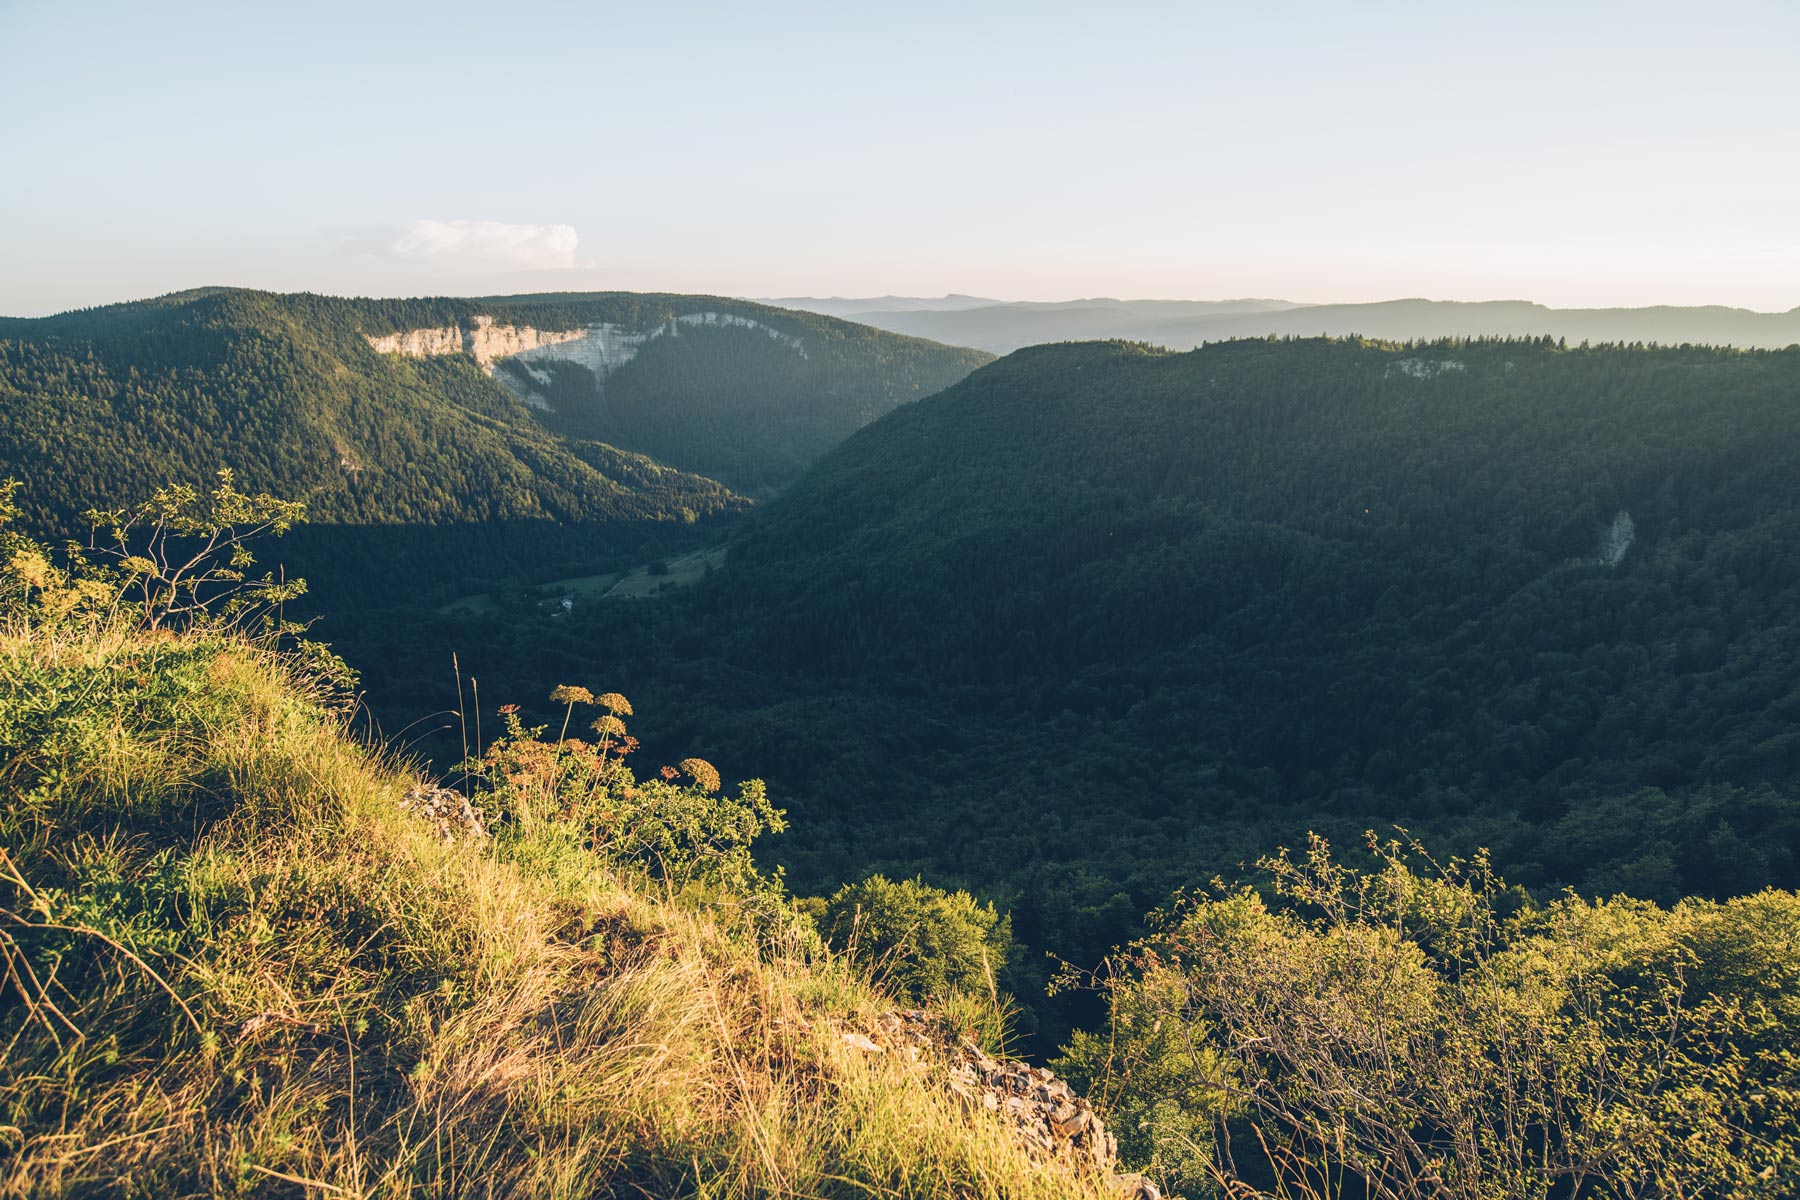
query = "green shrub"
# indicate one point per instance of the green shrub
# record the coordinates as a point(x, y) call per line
point(1415, 1030)
point(922, 942)
point(178, 559)
point(677, 828)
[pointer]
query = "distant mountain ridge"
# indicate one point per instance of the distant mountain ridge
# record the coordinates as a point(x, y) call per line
point(549, 430)
point(849, 308)
point(1001, 326)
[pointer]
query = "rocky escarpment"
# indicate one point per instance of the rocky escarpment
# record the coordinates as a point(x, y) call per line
point(1042, 1111)
point(483, 340)
point(600, 348)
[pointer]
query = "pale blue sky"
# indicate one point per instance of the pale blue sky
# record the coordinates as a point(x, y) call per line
point(1581, 152)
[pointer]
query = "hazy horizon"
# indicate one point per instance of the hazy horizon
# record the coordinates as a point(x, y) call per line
point(1590, 155)
point(529, 288)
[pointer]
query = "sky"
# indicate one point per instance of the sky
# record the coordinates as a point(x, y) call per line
point(1576, 153)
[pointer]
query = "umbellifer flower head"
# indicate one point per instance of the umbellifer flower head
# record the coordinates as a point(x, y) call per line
point(703, 773)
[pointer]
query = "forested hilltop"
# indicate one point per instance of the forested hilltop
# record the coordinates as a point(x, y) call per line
point(1101, 620)
point(442, 464)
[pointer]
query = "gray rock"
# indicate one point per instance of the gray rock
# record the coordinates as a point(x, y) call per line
point(1043, 1112)
point(449, 812)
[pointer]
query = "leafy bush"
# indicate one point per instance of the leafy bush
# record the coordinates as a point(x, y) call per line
point(923, 942)
point(185, 554)
point(1417, 1029)
point(675, 832)
point(180, 558)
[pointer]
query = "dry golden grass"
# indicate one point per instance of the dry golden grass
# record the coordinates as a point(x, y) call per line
point(233, 966)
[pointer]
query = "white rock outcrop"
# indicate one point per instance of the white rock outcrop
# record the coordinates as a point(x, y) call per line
point(1617, 539)
point(601, 348)
point(484, 341)
point(419, 343)
point(1420, 368)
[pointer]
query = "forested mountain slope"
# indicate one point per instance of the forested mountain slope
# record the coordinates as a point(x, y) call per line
point(746, 394)
point(1101, 620)
point(391, 416)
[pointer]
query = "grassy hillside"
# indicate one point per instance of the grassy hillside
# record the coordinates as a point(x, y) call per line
point(243, 955)
point(1101, 621)
point(434, 471)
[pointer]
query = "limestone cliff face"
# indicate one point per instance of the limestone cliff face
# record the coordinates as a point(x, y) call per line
point(488, 341)
point(602, 348)
point(484, 340)
point(419, 343)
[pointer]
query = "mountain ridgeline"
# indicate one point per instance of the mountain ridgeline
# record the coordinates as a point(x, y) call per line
point(1091, 624)
point(1004, 326)
point(442, 443)
point(1102, 620)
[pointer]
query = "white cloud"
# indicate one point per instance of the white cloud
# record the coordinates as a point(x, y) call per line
point(472, 244)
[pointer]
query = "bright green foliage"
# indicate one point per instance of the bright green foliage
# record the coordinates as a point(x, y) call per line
point(1149, 1076)
point(183, 554)
point(178, 559)
point(677, 835)
point(1413, 1030)
point(923, 942)
point(33, 583)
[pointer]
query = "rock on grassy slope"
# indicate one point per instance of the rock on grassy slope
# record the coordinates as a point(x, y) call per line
point(235, 960)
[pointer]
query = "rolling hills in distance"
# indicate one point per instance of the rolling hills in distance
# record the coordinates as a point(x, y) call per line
point(1100, 621)
point(1001, 326)
point(442, 444)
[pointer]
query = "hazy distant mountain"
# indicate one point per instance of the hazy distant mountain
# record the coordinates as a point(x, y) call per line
point(839, 306)
point(1005, 326)
point(1405, 320)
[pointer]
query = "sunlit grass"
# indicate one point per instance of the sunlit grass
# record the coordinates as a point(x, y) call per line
point(234, 966)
